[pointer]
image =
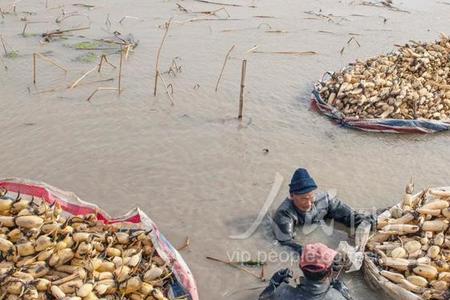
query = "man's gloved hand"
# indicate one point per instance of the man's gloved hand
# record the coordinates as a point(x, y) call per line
point(342, 288)
point(297, 248)
point(338, 262)
point(294, 246)
point(371, 219)
point(281, 276)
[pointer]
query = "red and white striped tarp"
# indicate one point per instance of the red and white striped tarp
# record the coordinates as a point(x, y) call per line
point(184, 285)
point(376, 125)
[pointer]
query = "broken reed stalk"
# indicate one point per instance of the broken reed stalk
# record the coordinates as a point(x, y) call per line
point(127, 51)
point(3, 45)
point(223, 66)
point(58, 31)
point(181, 7)
point(219, 3)
point(241, 95)
point(65, 87)
point(34, 68)
point(214, 12)
point(262, 272)
point(100, 89)
point(186, 244)
point(167, 89)
point(127, 17)
point(205, 19)
point(120, 68)
point(101, 63)
point(24, 28)
point(103, 58)
point(252, 49)
point(157, 73)
point(82, 77)
point(156, 81)
point(35, 56)
point(299, 53)
point(51, 61)
point(99, 68)
point(3, 63)
point(235, 266)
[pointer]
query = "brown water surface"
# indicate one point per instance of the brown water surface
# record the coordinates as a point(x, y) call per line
point(191, 166)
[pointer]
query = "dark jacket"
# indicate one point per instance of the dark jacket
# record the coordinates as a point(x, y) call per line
point(307, 290)
point(325, 207)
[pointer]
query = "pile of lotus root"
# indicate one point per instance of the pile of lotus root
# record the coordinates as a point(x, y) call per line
point(412, 246)
point(411, 83)
point(44, 255)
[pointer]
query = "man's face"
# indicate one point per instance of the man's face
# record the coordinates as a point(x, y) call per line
point(303, 202)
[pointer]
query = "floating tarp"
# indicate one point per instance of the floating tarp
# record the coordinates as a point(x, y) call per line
point(375, 125)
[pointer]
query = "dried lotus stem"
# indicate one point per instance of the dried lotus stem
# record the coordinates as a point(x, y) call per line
point(99, 89)
point(235, 266)
point(82, 77)
point(223, 66)
point(41, 56)
point(186, 244)
point(157, 72)
point(241, 94)
point(34, 68)
point(120, 69)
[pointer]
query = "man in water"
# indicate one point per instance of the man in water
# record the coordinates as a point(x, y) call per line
point(305, 207)
point(316, 264)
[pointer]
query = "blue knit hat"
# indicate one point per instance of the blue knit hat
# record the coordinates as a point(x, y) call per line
point(302, 182)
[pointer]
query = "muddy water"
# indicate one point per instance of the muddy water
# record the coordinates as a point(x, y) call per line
point(192, 166)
